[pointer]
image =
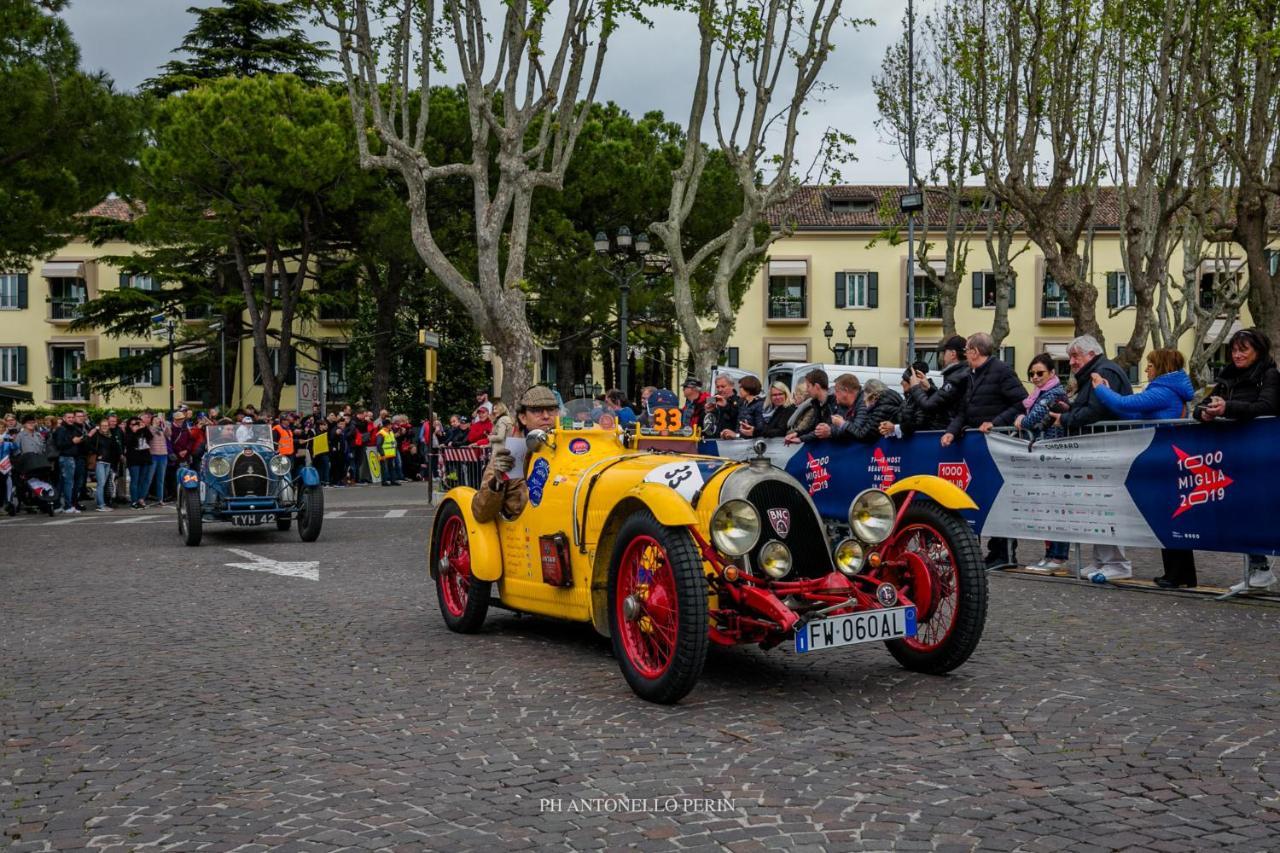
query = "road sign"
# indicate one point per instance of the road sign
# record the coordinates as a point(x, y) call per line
point(427, 339)
point(308, 389)
point(431, 365)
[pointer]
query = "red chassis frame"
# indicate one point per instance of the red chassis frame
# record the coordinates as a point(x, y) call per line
point(754, 610)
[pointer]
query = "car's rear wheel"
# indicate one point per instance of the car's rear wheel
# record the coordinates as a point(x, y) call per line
point(948, 583)
point(190, 521)
point(657, 609)
point(310, 514)
point(464, 600)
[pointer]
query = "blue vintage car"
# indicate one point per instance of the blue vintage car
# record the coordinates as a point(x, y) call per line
point(244, 481)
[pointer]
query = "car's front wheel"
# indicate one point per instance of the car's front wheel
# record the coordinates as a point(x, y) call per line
point(657, 609)
point(190, 521)
point(464, 600)
point(310, 514)
point(950, 592)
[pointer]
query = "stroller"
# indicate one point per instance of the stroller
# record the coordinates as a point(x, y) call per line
point(30, 485)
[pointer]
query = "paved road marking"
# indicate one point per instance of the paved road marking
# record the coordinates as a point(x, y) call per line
point(66, 521)
point(372, 514)
point(137, 519)
point(307, 569)
point(396, 513)
point(335, 514)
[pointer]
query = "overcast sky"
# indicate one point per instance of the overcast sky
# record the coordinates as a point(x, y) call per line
point(645, 69)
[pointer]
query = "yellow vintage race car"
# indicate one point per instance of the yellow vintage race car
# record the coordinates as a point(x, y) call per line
point(666, 552)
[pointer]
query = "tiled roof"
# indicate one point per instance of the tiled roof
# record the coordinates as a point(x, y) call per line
point(811, 207)
point(118, 209)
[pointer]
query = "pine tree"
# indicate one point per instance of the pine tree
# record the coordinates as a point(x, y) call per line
point(243, 38)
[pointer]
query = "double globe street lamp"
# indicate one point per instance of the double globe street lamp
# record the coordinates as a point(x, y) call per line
point(840, 351)
point(614, 260)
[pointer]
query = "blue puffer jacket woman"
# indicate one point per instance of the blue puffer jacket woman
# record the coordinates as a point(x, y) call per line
point(1165, 398)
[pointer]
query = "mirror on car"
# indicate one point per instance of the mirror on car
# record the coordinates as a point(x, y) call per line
point(537, 439)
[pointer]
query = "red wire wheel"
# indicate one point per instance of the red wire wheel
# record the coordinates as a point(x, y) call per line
point(946, 580)
point(464, 600)
point(649, 637)
point(658, 618)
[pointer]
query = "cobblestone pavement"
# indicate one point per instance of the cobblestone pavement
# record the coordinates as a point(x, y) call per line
point(156, 697)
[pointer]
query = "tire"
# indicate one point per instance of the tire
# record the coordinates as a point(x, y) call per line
point(284, 523)
point(464, 600)
point(662, 647)
point(190, 521)
point(950, 624)
point(310, 514)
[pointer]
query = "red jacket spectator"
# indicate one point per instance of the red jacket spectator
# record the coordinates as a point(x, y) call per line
point(478, 432)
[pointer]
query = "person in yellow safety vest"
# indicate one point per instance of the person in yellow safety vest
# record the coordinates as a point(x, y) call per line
point(387, 451)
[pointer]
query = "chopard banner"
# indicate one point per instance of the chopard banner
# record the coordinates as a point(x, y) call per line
point(1208, 487)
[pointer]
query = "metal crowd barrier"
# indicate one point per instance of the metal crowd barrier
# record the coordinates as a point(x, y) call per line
point(462, 466)
point(1121, 426)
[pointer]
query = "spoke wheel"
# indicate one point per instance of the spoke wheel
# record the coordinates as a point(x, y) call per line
point(946, 581)
point(464, 600)
point(190, 520)
point(657, 609)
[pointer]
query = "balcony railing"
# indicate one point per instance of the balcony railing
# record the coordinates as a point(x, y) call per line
point(66, 389)
point(65, 309)
point(1055, 309)
point(782, 308)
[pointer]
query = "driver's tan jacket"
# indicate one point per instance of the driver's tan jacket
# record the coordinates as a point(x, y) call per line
point(496, 495)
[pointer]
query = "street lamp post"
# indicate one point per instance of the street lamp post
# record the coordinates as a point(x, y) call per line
point(220, 327)
point(165, 324)
point(840, 351)
point(913, 201)
point(624, 278)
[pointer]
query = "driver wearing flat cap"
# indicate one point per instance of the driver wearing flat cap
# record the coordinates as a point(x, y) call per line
point(502, 486)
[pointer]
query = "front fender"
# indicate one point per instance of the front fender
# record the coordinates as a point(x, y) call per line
point(482, 538)
point(941, 491)
point(666, 505)
point(310, 476)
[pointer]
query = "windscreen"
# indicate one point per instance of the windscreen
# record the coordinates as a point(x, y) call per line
point(238, 434)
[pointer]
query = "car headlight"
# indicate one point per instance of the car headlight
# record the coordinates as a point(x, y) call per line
point(280, 465)
point(849, 556)
point(775, 559)
point(871, 516)
point(735, 527)
point(219, 466)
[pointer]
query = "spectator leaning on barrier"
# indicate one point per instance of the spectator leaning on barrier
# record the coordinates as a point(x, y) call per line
point(695, 403)
point(1166, 397)
point(1248, 387)
point(846, 390)
point(814, 412)
point(481, 426)
point(993, 398)
point(721, 420)
point(1086, 358)
point(775, 415)
point(930, 408)
point(880, 404)
point(1048, 393)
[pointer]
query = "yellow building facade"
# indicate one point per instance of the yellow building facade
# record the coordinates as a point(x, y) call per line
point(41, 355)
point(837, 268)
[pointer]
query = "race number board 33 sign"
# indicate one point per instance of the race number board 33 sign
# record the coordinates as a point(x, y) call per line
point(894, 623)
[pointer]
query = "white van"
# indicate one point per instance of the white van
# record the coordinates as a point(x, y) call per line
point(792, 373)
point(734, 374)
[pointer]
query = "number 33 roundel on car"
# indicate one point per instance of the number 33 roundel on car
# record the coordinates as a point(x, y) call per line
point(685, 477)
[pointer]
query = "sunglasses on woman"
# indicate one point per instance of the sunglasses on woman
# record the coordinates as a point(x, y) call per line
point(1033, 374)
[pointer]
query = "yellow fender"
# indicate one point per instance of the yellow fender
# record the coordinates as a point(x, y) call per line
point(666, 505)
point(942, 491)
point(482, 539)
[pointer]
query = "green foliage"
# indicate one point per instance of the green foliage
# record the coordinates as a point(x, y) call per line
point(243, 38)
point(66, 137)
point(620, 175)
point(461, 368)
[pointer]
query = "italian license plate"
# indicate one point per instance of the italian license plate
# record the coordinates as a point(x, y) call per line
point(891, 624)
point(247, 520)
